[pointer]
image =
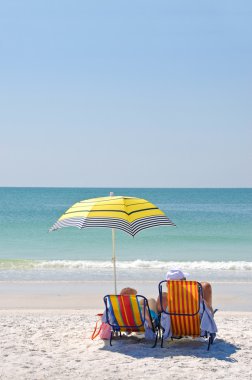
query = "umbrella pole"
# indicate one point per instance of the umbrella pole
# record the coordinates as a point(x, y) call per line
point(114, 257)
point(113, 250)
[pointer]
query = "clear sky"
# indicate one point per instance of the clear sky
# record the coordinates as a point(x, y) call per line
point(132, 93)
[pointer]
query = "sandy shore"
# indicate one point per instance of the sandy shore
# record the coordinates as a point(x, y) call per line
point(227, 296)
point(55, 344)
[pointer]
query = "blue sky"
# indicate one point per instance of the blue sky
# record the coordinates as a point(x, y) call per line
point(126, 93)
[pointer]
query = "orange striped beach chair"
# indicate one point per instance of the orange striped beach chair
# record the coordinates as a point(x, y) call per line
point(184, 300)
point(125, 315)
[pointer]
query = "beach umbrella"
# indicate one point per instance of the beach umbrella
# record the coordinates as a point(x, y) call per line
point(128, 214)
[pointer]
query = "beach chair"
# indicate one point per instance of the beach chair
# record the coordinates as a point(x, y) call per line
point(125, 315)
point(185, 305)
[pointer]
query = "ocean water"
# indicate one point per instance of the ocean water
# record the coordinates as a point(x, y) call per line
point(212, 238)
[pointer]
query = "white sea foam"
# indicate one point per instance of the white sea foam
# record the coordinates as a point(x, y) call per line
point(83, 265)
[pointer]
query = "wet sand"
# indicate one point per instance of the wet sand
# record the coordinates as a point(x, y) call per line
point(227, 296)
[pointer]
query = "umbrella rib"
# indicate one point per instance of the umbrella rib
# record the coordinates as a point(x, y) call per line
point(122, 211)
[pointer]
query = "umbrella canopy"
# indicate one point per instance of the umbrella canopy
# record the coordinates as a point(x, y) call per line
point(124, 213)
point(128, 214)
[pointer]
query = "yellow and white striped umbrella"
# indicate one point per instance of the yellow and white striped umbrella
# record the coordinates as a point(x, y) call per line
point(116, 212)
point(124, 213)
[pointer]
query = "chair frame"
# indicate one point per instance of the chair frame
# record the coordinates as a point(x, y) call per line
point(115, 328)
point(200, 293)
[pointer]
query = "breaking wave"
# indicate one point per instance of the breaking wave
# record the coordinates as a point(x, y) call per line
point(83, 265)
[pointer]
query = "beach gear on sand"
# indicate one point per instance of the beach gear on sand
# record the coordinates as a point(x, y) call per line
point(125, 315)
point(128, 214)
point(186, 313)
point(102, 329)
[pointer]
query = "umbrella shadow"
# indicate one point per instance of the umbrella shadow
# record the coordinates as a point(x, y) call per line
point(140, 348)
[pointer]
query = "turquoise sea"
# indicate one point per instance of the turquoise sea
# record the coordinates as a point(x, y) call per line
point(213, 236)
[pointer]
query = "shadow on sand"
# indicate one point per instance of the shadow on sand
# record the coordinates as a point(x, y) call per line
point(140, 348)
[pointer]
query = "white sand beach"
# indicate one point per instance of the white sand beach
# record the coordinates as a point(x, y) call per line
point(56, 344)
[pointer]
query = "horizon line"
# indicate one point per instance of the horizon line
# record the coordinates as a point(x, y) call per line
point(122, 187)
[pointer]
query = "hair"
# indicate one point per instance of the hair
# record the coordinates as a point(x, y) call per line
point(128, 291)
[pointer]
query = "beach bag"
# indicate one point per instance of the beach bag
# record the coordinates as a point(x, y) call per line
point(105, 331)
point(102, 329)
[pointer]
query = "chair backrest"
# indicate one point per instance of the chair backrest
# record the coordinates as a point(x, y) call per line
point(183, 305)
point(124, 312)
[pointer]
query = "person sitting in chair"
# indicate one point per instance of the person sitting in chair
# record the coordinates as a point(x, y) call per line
point(177, 274)
point(152, 305)
point(206, 324)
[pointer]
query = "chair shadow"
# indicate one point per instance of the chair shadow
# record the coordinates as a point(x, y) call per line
point(140, 348)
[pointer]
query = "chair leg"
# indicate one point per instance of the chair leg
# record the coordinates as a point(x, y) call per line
point(209, 343)
point(111, 337)
point(156, 338)
point(162, 341)
point(210, 340)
